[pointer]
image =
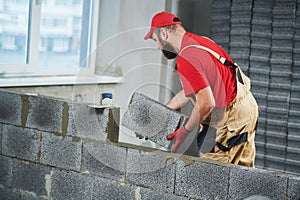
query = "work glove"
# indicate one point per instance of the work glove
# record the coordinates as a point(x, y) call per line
point(180, 135)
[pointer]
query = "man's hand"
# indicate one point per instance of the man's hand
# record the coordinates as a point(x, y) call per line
point(180, 136)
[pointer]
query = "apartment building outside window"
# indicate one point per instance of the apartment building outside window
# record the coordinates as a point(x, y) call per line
point(47, 36)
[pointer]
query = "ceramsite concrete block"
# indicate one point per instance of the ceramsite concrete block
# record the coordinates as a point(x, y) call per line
point(5, 170)
point(7, 193)
point(103, 123)
point(294, 187)
point(64, 152)
point(110, 189)
point(30, 177)
point(20, 143)
point(45, 114)
point(151, 119)
point(245, 182)
point(11, 107)
point(202, 180)
point(71, 185)
point(150, 170)
point(147, 194)
point(104, 160)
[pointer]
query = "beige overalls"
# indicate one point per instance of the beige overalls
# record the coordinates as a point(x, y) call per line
point(238, 120)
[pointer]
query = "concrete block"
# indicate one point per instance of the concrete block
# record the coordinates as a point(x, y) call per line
point(293, 141)
point(104, 160)
point(103, 123)
point(8, 194)
point(45, 114)
point(202, 180)
point(275, 163)
point(109, 189)
point(30, 177)
point(276, 126)
point(245, 182)
point(71, 185)
point(61, 152)
point(294, 187)
point(5, 171)
point(145, 169)
point(292, 166)
point(11, 107)
point(147, 194)
point(20, 143)
point(151, 119)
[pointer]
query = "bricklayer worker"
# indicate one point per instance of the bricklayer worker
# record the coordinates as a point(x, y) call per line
point(218, 89)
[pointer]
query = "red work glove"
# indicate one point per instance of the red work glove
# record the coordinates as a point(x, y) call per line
point(180, 136)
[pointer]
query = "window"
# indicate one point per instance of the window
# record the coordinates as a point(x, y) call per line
point(47, 37)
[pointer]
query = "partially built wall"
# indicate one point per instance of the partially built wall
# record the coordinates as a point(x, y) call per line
point(51, 148)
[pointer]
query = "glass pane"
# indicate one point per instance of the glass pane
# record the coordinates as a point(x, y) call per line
point(61, 36)
point(13, 31)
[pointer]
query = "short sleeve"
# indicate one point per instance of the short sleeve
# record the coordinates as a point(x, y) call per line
point(191, 70)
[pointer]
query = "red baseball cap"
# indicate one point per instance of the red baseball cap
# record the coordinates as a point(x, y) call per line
point(160, 20)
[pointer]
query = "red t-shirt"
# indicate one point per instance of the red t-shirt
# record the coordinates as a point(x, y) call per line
point(199, 69)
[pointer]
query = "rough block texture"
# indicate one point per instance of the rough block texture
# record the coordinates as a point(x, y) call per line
point(151, 119)
point(109, 189)
point(5, 171)
point(20, 143)
point(11, 107)
point(147, 194)
point(30, 177)
point(104, 160)
point(146, 169)
point(245, 182)
point(6, 194)
point(45, 114)
point(61, 152)
point(71, 185)
point(294, 188)
point(99, 121)
point(202, 180)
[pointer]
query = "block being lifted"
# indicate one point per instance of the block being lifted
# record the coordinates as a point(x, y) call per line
point(151, 120)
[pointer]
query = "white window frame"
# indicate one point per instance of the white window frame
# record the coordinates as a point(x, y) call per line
point(32, 68)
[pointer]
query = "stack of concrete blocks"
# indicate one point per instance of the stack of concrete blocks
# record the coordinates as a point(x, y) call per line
point(154, 121)
point(240, 32)
point(280, 84)
point(293, 137)
point(274, 72)
point(259, 70)
point(55, 149)
point(220, 27)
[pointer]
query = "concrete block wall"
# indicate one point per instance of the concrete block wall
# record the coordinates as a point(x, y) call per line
point(40, 162)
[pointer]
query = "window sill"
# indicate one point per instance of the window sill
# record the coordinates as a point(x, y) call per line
point(58, 80)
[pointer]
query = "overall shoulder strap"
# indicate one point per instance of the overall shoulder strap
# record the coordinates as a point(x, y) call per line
point(221, 59)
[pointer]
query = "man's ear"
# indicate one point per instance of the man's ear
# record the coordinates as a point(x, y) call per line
point(163, 34)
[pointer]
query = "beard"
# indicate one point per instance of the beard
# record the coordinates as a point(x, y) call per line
point(169, 51)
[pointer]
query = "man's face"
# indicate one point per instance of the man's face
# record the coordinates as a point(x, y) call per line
point(164, 46)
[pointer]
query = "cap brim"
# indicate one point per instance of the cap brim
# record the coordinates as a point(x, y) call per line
point(149, 34)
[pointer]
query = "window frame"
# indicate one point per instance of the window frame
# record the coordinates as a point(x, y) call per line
point(31, 68)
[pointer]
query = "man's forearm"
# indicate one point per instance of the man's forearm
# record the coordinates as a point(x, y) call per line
point(178, 101)
point(202, 108)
